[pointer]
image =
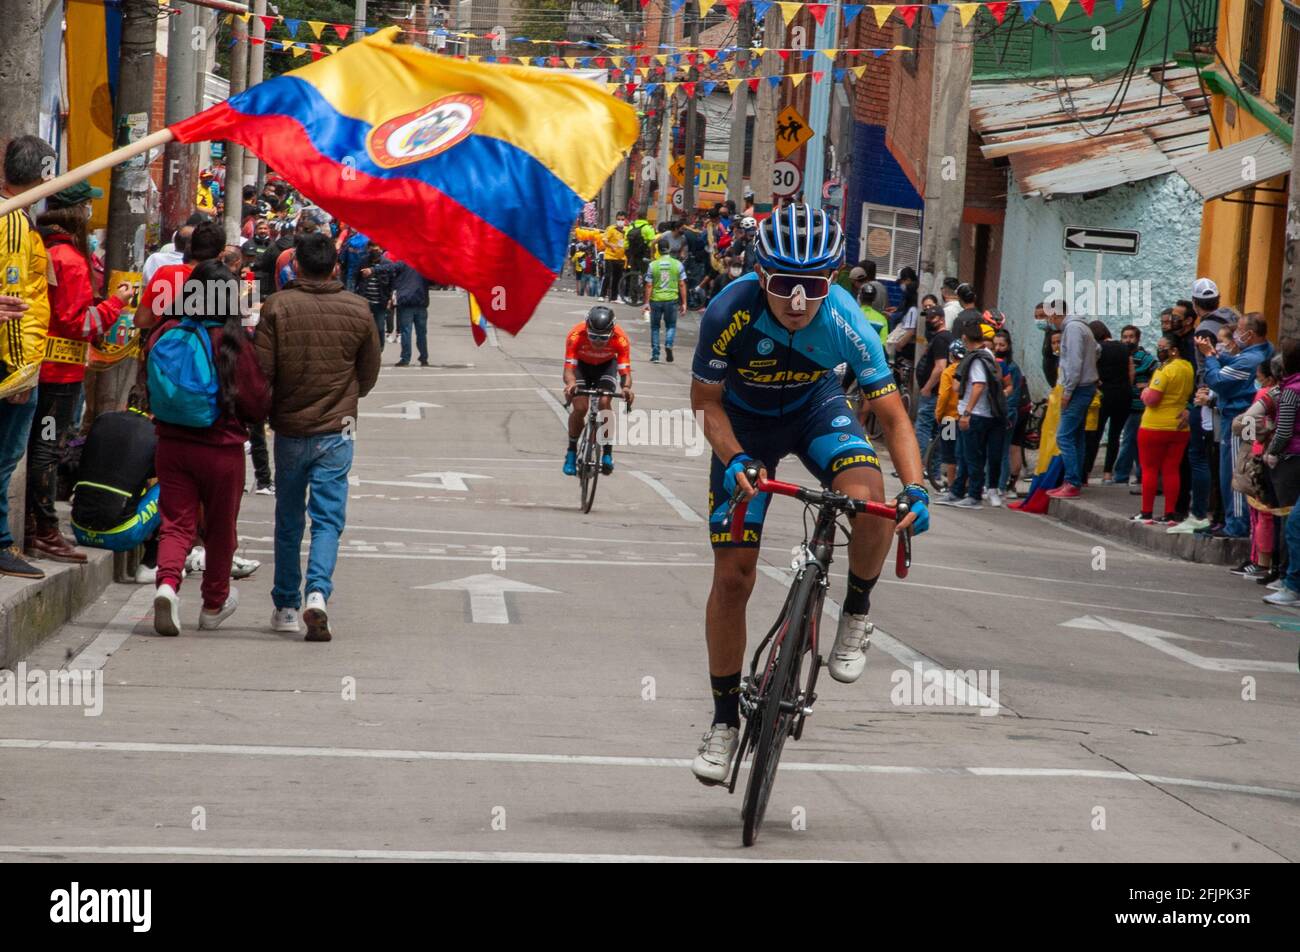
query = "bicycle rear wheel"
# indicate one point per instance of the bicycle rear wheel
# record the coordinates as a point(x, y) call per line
point(588, 467)
point(934, 466)
point(777, 711)
point(628, 288)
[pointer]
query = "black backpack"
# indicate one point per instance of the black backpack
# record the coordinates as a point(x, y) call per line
point(637, 249)
point(997, 399)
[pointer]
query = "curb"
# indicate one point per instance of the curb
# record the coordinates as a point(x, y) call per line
point(1186, 546)
point(33, 609)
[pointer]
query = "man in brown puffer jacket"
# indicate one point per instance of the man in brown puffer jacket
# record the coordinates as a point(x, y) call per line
point(319, 349)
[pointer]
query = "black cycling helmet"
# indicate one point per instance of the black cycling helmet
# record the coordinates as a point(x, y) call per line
point(600, 323)
point(957, 349)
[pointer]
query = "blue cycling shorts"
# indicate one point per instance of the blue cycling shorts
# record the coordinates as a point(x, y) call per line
point(827, 438)
point(131, 533)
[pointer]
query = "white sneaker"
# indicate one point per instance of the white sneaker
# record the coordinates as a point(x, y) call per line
point(717, 749)
point(316, 615)
point(1011, 494)
point(267, 490)
point(968, 503)
point(1283, 596)
point(144, 575)
point(166, 611)
point(948, 499)
point(995, 498)
point(1190, 524)
point(1277, 586)
point(209, 620)
point(849, 655)
point(243, 568)
point(197, 560)
point(285, 619)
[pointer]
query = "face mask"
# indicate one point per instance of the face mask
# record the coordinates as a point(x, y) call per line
point(1041, 325)
point(1221, 350)
point(1001, 354)
point(1240, 338)
point(93, 243)
point(1162, 354)
point(1132, 347)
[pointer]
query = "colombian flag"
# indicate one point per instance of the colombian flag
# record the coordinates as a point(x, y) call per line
point(473, 174)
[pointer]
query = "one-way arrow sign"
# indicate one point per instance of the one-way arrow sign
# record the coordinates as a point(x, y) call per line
point(1110, 240)
point(487, 595)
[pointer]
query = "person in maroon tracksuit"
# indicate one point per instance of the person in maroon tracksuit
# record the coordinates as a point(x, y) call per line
point(204, 467)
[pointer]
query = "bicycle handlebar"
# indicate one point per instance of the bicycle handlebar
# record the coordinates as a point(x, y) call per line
point(738, 507)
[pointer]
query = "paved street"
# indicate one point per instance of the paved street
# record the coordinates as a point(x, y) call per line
point(531, 682)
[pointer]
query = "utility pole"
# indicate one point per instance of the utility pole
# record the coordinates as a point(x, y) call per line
point(358, 24)
point(256, 70)
point(1290, 324)
point(129, 192)
point(234, 151)
point(20, 69)
point(739, 115)
point(765, 115)
point(692, 110)
point(181, 96)
point(945, 166)
point(663, 177)
point(819, 111)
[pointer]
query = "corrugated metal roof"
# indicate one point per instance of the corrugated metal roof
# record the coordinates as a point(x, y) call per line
point(1053, 135)
point(1224, 171)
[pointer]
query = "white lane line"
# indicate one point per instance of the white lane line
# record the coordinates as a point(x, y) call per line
point(683, 510)
point(111, 637)
point(589, 760)
point(1160, 641)
point(487, 559)
point(555, 405)
point(692, 542)
point(975, 699)
point(453, 856)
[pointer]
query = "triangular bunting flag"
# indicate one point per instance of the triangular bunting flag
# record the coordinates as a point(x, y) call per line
point(1029, 7)
point(267, 22)
point(968, 10)
point(818, 11)
point(999, 10)
point(342, 29)
point(759, 51)
point(851, 10)
point(817, 75)
point(571, 61)
point(760, 9)
point(256, 40)
point(733, 8)
point(670, 89)
point(859, 70)
point(882, 12)
point(650, 87)
point(298, 50)
point(937, 11)
point(839, 74)
point(244, 16)
point(331, 47)
point(689, 89)
point(774, 81)
point(784, 54)
point(789, 11)
point(316, 27)
point(707, 87)
point(1087, 6)
point(908, 12)
point(733, 85)
point(752, 83)
point(677, 5)
point(1059, 7)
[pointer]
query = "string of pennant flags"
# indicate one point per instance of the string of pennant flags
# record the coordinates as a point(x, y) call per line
point(907, 13)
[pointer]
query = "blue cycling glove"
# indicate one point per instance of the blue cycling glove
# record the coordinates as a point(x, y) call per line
point(918, 500)
point(734, 469)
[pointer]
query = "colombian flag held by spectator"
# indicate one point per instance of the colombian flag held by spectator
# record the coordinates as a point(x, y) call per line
point(473, 174)
point(476, 322)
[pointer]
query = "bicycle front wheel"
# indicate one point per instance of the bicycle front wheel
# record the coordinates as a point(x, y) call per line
point(934, 466)
point(777, 710)
point(588, 467)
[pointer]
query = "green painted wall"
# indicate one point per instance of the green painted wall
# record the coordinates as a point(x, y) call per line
point(1020, 49)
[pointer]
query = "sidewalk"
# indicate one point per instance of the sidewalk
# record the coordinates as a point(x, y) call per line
point(1109, 510)
point(32, 609)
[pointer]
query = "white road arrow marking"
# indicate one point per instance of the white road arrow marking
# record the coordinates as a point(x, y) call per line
point(487, 595)
point(410, 410)
point(452, 482)
point(1160, 641)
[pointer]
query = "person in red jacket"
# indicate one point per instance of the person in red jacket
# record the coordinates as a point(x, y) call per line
point(205, 466)
point(76, 319)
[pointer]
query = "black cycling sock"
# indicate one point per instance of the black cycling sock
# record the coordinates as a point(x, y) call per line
point(573, 445)
point(609, 449)
point(857, 600)
point(726, 699)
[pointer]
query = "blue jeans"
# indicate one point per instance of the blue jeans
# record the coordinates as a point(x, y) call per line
point(1199, 462)
point(1004, 478)
point(1236, 520)
point(1292, 535)
point(1127, 461)
point(380, 313)
point(419, 317)
point(1070, 434)
point(665, 311)
point(311, 478)
point(15, 428)
point(927, 427)
point(974, 447)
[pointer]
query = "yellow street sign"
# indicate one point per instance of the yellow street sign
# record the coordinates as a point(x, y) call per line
point(791, 131)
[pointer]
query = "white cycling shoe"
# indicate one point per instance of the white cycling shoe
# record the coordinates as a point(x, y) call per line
point(849, 655)
point(716, 752)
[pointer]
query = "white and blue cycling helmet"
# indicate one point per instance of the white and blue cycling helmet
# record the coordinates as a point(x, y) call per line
point(799, 238)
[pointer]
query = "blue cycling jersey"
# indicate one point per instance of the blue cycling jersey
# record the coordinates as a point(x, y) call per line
point(770, 371)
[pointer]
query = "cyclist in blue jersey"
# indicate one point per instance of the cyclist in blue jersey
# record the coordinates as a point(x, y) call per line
point(765, 387)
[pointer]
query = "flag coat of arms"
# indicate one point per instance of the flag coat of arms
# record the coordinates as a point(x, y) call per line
point(471, 173)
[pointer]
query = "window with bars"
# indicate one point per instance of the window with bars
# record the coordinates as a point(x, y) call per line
point(1288, 60)
point(1252, 44)
point(891, 237)
point(1202, 22)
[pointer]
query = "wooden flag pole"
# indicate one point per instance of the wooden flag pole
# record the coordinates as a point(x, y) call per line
point(72, 177)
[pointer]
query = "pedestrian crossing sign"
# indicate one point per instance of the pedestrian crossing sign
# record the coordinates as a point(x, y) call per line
point(791, 131)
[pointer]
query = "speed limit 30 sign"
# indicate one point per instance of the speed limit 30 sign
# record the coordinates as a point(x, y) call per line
point(786, 178)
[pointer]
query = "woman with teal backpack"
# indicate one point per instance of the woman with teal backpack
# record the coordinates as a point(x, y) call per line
point(204, 385)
